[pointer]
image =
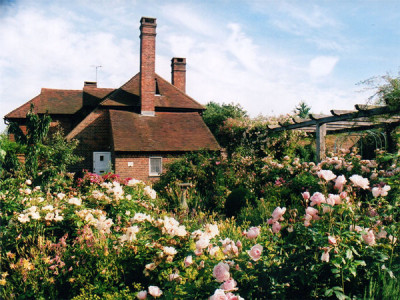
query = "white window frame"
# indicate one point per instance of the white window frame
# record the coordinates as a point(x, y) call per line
point(153, 173)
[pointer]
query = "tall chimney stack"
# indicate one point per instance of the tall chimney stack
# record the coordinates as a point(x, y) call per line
point(147, 65)
point(178, 73)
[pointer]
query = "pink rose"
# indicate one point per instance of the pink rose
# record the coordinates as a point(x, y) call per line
point(255, 252)
point(369, 237)
point(230, 296)
point(221, 272)
point(325, 256)
point(142, 295)
point(312, 212)
point(360, 181)
point(218, 295)
point(253, 233)
point(326, 174)
point(188, 261)
point(306, 195)
point(155, 291)
point(307, 219)
point(202, 243)
point(334, 199)
point(317, 198)
point(380, 191)
point(339, 183)
point(331, 240)
point(278, 213)
point(229, 285)
point(276, 227)
point(355, 228)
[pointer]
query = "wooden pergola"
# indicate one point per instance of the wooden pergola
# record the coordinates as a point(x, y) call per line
point(364, 117)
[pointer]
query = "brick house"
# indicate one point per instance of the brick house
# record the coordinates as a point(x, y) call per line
point(134, 129)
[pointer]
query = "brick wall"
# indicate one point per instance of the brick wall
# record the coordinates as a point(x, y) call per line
point(140, 168)
point(94, 135)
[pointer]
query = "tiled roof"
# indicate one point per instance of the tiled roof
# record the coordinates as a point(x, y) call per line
point(163, 132)
point(65, 102)
point(170, 96)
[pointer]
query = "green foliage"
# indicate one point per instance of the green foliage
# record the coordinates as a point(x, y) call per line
point(302, 110)
point(216, 114)
point(206, 171)
point(236, 200)
point(47, 156)
point(251, 137)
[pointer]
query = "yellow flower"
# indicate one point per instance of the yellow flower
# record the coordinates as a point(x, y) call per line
point(2, 281)
point(10, 255)
point(46, 260)
point(71, 280)
point(27, 265)
point(51, 280)
point(4, 275)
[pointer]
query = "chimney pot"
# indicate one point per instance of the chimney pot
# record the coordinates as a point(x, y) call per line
point(90, 84)
point(178, 73)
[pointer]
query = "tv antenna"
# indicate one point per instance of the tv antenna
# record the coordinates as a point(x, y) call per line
point(97, 67)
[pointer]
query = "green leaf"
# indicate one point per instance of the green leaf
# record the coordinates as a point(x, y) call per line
point(340, 295)
point(360, 263)
point(328, 293)
point(349, 254)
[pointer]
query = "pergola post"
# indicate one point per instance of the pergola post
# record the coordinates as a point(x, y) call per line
point(320, 134)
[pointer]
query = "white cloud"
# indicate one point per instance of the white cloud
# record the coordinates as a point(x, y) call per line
point(322, 66)
point(225, 61)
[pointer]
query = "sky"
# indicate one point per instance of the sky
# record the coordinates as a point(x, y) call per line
point(266, 55)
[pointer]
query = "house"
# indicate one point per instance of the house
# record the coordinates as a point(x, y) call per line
point(135, 129)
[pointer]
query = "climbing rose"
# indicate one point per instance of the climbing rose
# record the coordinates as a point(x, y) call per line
point(155, 291)
point(255, 252)
point(221, 272)
point(360, 181)
point(326, 174)
point(253, 233)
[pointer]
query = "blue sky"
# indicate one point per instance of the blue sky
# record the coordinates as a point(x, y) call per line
point(265, 55)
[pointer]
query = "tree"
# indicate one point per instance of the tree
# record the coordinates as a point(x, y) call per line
point(46, 156)
point(216, 114)
point(302, 110)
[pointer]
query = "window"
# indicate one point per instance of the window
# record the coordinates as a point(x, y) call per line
point(155, 166)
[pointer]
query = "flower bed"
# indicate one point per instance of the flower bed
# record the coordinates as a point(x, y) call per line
point(111, 239)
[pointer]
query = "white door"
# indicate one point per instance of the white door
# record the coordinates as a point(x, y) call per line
point(101, 162)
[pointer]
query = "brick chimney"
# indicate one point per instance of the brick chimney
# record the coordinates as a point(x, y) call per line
point(147, 65)
point(178, 73)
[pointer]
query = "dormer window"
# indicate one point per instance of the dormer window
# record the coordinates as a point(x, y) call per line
point(157, 89)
